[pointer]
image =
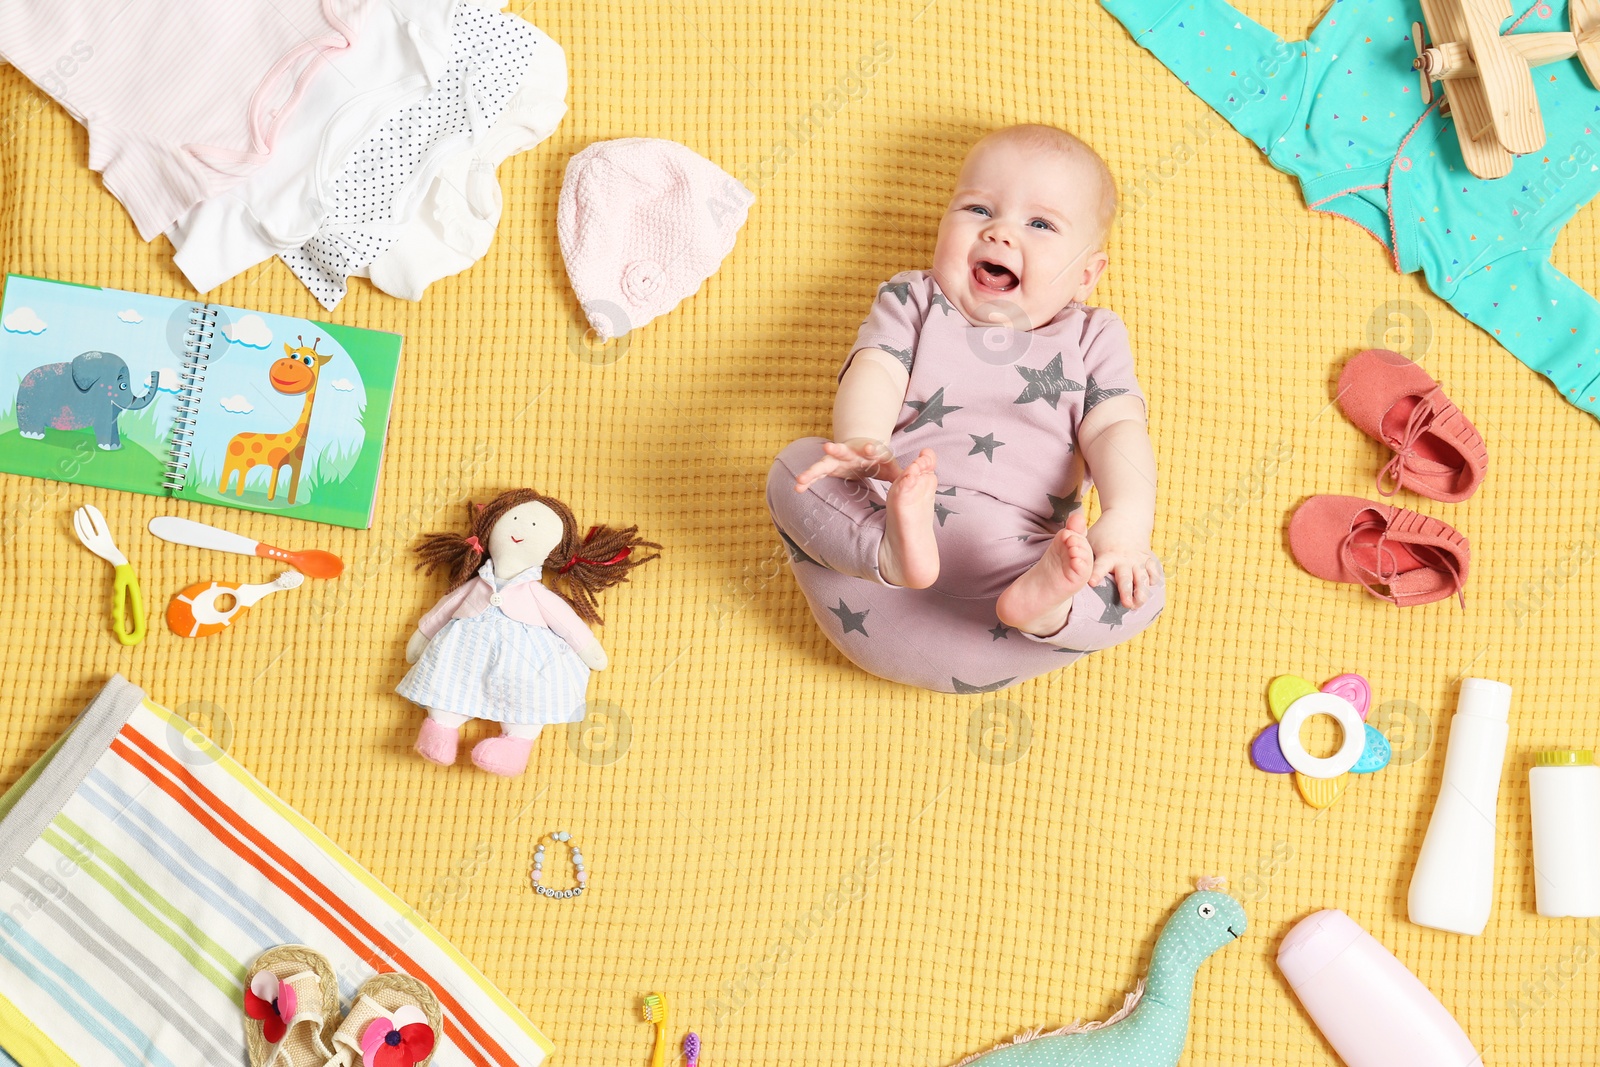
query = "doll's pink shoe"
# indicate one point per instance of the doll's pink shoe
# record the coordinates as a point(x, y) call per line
point(1395, 554)
point(1437, 451)
point(437, 742)
point(506, 756)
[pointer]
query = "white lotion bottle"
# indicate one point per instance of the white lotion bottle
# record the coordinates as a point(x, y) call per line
point(1453, 886)
point(1564, 793)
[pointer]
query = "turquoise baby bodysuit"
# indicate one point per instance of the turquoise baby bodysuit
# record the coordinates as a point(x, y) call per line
point(1342, 112)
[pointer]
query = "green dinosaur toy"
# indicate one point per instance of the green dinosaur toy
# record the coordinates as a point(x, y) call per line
point(1153, 1024)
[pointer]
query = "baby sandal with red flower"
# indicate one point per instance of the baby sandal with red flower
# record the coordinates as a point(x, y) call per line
point(286, 1019)
point(394, 1022)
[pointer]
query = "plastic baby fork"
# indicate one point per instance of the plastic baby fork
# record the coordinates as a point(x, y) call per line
point(126, 596)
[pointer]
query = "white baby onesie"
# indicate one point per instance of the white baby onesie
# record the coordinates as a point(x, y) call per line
point(182, 98)
point(404, 46)
point(381, 183)
point(456, 220)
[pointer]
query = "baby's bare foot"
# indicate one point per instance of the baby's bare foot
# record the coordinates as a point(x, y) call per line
point(1040, 601)
point(908, 556)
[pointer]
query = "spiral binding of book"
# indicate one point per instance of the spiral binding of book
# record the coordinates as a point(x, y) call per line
point(197, 340)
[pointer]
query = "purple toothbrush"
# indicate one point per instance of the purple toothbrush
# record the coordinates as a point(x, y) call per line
point(691, 1050)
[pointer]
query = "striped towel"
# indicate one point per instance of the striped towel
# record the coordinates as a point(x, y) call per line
point(142, 870)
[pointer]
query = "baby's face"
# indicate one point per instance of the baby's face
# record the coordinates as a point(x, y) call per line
point(1019, 242)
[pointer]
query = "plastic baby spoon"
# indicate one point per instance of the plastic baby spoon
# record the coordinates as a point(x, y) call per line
point(312, 561)
point(196, 612)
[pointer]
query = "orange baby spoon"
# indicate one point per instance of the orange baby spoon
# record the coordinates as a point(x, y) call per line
point(312, 562)
point(206, 608)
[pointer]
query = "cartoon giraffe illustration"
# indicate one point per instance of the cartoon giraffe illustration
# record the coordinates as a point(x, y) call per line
point(293, 375)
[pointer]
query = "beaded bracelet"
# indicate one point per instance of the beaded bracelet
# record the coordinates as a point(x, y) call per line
point(537, 876)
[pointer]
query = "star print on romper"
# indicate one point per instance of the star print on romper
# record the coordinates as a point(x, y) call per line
point(985, 444)
point(796, 554)
point(1000, 632)
point(1095, 394)
point(1062, 506)
point(899, 289)
point(941, 512)
point(933, 410)
point(941, 302)
point(1107, 591)
point(1046, 384)
point(968, 687)
point(852, 620)
point(902, 354)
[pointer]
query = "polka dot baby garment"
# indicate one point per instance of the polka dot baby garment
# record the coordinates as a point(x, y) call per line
point(375, 193)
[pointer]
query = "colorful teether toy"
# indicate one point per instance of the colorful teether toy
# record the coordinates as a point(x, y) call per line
point(1320, 779)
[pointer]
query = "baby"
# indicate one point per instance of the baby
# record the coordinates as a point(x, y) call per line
point(940, 536)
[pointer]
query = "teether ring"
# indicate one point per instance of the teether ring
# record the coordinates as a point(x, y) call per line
point(1344, 713)
point(1320, 779)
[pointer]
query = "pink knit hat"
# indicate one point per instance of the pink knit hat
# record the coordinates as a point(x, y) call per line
point(643, 222)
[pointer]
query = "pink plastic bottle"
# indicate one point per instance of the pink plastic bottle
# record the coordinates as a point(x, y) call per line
point(1373, 1011)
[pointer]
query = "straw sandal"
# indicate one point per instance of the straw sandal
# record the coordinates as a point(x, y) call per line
point(394, 1022)
point(1395, 554)
point(291, 1000)
point(1437, 452)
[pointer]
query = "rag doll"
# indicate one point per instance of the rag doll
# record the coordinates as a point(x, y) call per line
point(500, 645)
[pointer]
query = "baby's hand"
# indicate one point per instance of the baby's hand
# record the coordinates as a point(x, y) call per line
point(1126, 556)
point(859, 457)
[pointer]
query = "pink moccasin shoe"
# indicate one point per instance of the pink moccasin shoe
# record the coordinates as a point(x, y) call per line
point(1396, 555)
point(1437, 451)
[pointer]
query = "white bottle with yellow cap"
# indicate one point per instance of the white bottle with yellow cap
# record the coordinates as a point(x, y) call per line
point(1564, 793)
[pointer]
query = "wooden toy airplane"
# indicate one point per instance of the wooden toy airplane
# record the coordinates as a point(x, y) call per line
point(1488, 79)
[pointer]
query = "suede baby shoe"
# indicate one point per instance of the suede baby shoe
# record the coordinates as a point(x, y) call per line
point(1395, 554)
point(290, 1003)
point(1437, 451)
point(394, 1021)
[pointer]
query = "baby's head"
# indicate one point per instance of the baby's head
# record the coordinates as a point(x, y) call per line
point(1026, 230)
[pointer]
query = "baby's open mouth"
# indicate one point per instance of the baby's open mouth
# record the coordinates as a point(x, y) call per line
point(993, 277)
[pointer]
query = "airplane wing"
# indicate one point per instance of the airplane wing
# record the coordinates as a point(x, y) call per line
point(1506, 79)
point(1469, 102)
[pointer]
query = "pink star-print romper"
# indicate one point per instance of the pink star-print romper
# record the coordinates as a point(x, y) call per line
point(1000, 408)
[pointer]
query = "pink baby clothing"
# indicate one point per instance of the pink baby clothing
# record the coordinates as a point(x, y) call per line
point(378, 189)
point(642, 223)
point(183, 98)
point(455, 221)
point(1000, 408)
point(404, 47)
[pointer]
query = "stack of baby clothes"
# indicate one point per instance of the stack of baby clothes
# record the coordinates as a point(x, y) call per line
point(348, 137)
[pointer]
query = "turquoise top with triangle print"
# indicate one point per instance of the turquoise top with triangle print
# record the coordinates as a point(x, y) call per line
point(1342, 112)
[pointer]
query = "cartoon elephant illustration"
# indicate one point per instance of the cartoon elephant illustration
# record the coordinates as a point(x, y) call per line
point(92, 390)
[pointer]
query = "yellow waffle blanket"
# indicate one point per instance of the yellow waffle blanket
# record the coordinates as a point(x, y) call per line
point(814, 866)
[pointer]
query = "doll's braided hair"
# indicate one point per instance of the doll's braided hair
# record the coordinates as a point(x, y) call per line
point(582, 566)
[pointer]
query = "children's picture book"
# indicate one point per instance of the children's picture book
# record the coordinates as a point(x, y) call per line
point(199, 401)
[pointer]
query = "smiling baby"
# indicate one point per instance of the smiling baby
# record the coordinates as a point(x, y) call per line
point(940, 535)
